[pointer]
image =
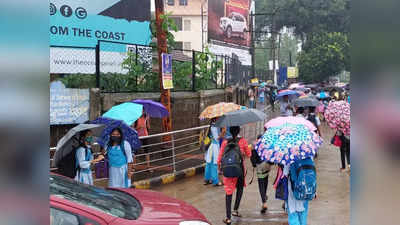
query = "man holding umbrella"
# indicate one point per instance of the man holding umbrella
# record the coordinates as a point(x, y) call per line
point(286, 108)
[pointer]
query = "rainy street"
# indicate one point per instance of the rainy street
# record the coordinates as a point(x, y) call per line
point(332, 206)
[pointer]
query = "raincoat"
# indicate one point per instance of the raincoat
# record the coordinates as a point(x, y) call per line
point(230, 183)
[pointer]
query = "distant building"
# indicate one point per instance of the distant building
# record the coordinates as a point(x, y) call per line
point(188, 18)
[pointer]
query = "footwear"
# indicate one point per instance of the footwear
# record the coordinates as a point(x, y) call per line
point(342, 170)
point(206, 182)
point(227, 221)
point(218, 184)
point(236, 213)
point(263, 210)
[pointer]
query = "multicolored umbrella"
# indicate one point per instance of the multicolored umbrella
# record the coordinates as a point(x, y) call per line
point(279, 121)
point(337, 114)
point(218, 110)
point(152, 108)
point(288, 143)
point(128, 112)
point(129, 134)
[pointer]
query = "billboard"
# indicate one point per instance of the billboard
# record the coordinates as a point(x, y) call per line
point(243, 55)
point(81, 23)
point(229, 21)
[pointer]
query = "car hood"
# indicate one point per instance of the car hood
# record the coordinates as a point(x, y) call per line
point(158, 208)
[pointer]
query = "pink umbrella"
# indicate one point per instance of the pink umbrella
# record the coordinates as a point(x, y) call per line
point(290, 119)
point(337, 114)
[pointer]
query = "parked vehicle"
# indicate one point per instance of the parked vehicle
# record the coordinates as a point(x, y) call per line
point(73, 203)
point(235, 24)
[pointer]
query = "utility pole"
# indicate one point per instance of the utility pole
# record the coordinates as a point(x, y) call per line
point(165, 94)
point(253, 51)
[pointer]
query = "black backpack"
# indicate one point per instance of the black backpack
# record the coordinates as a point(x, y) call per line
point(255, 158)
point(231, 162)
point(67, 166)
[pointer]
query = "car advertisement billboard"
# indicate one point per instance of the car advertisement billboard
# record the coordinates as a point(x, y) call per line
point(81, 23)
point(228, 21)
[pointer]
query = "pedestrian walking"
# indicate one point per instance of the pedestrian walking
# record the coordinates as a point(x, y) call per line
point(119, 154)
point(313, 118)
point(211, 156)
point(344, 150)
point(142, 126)
point(84, 158)
point(251, 98)
point(271, 96)
point(234, 173)
point(261, 95)
point(286, 108)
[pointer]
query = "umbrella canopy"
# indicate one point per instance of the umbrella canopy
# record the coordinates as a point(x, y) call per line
point(306, 102)
point(311, 85)
point(323, 95)
point(296, 85)
point(288, 143)
point(129, 134)
point(279, 121)
point(218, 110)
point(291, 94)
point(152, 108)
point(71, 140)
point(337, 114)
point(240, 117)
point(128, 112)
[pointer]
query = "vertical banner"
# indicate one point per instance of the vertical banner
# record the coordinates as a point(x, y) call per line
point(167, 71)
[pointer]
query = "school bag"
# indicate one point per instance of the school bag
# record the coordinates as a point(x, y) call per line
point(68, 165)
point(231, 162)
point(303, 178)
point(204, 139)
point(255, 158)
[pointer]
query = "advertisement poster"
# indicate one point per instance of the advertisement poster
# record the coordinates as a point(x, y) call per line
point(292, 72)
point(244, 55)
point(67, 105)
point(167, 71)
point(229, 21)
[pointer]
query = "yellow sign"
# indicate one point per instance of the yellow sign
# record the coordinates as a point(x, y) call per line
point(167, 81)
point(292, 72)
point(254, 81)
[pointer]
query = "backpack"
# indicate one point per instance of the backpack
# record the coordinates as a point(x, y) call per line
point(255, 158)
point(204, 139)
point(68, 166)
point(231, 162)
point(303, 178)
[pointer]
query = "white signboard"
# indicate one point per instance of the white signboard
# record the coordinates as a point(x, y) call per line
point(244, 55)
point(271, 64)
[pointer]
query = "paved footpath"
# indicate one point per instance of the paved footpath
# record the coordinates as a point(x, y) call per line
point(332, 207)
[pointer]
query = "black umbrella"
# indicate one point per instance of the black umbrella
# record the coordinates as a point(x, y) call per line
point(240, 117)
point(306, 102)
point(138, 10)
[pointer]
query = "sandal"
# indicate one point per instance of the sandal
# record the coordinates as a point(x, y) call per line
point(227, 221)
point(207, 182)
point(236, 213)
point(218, 184)
point(264, 210)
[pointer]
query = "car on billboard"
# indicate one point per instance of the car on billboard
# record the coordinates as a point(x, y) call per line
point(235, 24)
point(73, 203)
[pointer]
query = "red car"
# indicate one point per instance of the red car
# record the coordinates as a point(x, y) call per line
point(73, 203)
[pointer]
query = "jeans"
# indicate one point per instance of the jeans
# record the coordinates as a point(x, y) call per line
point(251, 104)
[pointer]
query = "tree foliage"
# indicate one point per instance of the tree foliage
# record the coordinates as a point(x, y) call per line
point(288, 48)
point(326, 54)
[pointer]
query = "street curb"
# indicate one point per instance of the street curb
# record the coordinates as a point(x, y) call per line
point(168, 178)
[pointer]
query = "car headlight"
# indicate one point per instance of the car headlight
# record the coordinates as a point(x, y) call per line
point(193, 223)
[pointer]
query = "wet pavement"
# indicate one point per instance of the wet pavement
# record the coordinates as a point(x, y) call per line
point(332, 206)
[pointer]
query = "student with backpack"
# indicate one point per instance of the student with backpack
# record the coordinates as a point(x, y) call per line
point(301, 189)
point(119, 154)
point(231, 163)
point(84, 158)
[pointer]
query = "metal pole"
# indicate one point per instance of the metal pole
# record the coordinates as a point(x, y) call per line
point(97, 65)
point(173, 153)
point(193, 71)
point(202, 29)
point(165, 94)
point(136, 60)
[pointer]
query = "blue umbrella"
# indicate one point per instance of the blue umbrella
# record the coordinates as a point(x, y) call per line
point(290, 94)
point(128, 112)
point(323, 95)
point(154, 109)
point(129, 134)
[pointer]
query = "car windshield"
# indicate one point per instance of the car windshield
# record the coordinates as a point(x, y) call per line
point(112, 202)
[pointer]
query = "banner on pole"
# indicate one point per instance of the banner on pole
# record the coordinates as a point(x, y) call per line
point(167, 71)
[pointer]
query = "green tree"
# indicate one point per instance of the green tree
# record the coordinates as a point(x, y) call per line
point(288, 48)
point(325, 55)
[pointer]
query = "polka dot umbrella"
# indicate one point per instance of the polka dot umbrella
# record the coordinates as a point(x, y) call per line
point(337, 115)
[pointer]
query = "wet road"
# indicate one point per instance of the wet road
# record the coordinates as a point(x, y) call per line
point(332, 206)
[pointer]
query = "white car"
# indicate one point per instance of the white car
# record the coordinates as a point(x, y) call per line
point(235, 24)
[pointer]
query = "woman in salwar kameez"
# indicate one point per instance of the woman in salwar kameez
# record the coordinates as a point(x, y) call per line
point(211, 170)
point(119, 154)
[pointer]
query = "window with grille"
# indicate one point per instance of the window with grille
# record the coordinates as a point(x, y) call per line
point(186, 25)
point(179, 45)
point(183, 2)
point(178, 22)
point(170, 2)
point(187, 46)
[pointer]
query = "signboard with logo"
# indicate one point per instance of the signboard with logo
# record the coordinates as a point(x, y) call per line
point(167, 71)
point(67, 105)
point(229, 21)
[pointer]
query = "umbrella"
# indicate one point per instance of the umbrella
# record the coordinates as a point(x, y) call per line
point(287, 143)
point(154, 109)
point(337, 114)
point(291, 94)
point(128, 132)
point(70, 140)
point(278, 121)
point(129, 10)
point(128, 112)
point(240, 117)
point(323, 95)
point(296, 85)
point(218, 110)
point(306, 102)
point(311, 85)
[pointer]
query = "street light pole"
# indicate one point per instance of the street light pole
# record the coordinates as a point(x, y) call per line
point(165, 94)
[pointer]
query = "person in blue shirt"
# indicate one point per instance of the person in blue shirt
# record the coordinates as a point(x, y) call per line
point(119, 154)
point(84, 158)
